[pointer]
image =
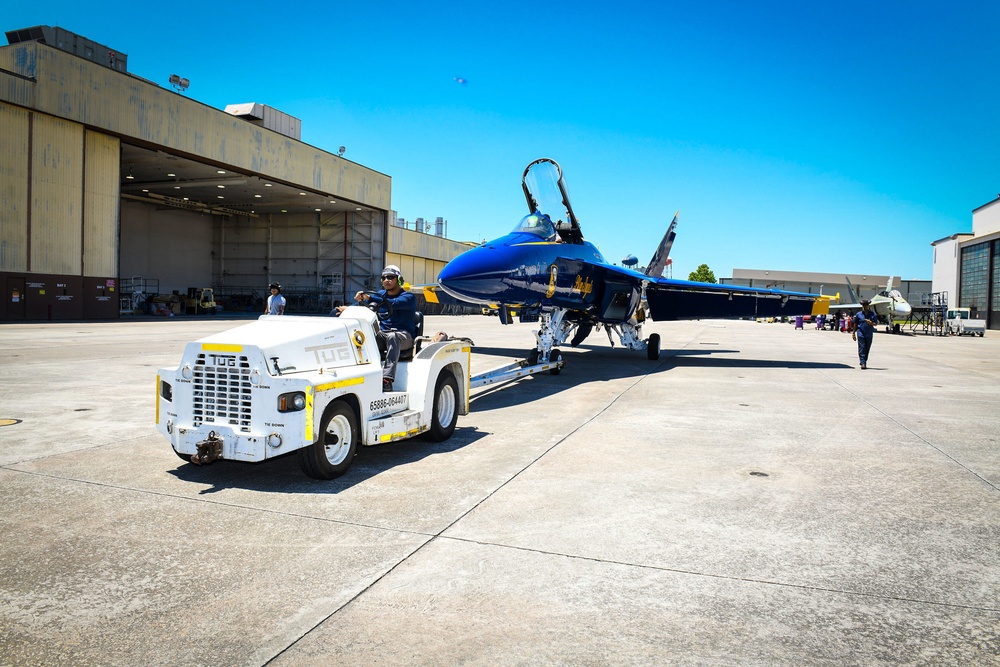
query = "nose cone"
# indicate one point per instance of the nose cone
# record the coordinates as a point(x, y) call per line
point(476, 275)
point(903, 309)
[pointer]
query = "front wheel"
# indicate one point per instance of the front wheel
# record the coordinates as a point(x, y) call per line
point(331, 455)
point(444, 415)
point(555, 358)
point(653, 347)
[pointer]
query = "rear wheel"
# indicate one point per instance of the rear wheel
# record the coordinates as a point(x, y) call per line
point(444, 416)
point(653, 347)
point(331, 455)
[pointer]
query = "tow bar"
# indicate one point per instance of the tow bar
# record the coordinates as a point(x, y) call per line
point(514, 371)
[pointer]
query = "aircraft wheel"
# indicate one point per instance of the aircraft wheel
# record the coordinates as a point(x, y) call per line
point(653, 347)
point(331, 455)
point(554, 358)
point(445, 412)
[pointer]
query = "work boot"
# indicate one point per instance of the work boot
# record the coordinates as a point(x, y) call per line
point(386, 385)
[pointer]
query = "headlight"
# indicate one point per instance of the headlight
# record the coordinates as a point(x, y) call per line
point(187, 372)
point(255, 377)
point(292, 402)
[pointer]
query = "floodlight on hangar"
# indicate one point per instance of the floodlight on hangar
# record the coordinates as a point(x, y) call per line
point(179, 83)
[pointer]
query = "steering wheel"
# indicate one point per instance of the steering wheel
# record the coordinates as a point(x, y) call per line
point(382, 309)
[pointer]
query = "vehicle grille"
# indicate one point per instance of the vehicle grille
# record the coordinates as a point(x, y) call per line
point(222, 391)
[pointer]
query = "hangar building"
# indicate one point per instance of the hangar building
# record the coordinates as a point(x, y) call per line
point(914, 291)
point(967, 265)
point(107, 178)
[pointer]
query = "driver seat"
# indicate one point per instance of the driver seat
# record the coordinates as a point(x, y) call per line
point(406, 353)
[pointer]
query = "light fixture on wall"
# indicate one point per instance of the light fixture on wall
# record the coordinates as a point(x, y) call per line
point(130, 176)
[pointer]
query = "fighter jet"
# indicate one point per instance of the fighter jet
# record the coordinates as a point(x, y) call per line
point(546, 269)
point(889, 305)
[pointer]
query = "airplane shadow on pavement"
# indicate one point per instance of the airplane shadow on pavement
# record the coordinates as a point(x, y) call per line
point(588, 363)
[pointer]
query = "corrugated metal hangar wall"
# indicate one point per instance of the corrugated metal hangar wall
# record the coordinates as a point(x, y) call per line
point(106, 176)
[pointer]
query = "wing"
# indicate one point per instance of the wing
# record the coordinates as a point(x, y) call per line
point(611, 293)
point(670, 299)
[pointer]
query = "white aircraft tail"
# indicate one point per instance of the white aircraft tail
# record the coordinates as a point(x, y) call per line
point(659, 260)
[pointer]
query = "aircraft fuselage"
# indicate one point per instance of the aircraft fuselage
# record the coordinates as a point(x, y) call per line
point(524, 269)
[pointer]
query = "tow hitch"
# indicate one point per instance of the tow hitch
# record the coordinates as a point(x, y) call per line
point(209, 449)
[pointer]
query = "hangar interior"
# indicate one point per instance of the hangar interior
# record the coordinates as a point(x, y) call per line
point(113, 184)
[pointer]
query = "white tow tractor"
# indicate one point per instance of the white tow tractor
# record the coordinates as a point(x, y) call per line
point(312, 384)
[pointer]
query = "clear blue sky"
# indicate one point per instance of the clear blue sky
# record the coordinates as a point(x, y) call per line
point(833, 137)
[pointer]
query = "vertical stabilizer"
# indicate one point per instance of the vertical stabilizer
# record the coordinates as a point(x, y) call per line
point(851, 292)
point(659, 260)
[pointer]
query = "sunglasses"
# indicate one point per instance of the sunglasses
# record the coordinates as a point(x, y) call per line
point(388, 277)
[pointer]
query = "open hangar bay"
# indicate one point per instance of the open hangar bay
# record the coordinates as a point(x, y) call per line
point(750, 499)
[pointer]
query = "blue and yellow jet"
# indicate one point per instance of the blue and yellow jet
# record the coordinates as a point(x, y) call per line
point(544, 265)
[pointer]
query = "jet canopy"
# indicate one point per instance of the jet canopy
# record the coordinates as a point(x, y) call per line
point(537, 224)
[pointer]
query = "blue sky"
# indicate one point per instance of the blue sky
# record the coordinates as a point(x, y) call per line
point(832, 137)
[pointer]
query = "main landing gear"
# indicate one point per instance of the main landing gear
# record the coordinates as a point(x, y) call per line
point(554, 329)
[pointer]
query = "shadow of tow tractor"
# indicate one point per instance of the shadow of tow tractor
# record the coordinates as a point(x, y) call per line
point(584, 364)
point(283, 474)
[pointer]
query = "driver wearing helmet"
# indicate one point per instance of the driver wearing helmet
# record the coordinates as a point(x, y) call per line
point(398, 327)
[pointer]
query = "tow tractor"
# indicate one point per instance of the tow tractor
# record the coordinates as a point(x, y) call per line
point(309, 384)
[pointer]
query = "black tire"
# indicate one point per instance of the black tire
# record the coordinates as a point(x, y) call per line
point(444, 414)
point(533, 357)
point(653, 347)
point(331, 455)
point(555, 358)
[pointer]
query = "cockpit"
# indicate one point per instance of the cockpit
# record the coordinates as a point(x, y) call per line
point(539, 225)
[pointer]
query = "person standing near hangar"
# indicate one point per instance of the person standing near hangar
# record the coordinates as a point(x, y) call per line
point(275, 302)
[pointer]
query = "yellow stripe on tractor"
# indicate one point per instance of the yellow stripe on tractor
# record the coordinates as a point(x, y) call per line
point(338, 384)
point(220, 347)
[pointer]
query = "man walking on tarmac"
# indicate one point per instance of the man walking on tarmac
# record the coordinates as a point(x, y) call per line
point(864, 331)
point(397, 328)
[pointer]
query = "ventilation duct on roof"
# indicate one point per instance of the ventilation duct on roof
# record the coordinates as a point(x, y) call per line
point(70, 42)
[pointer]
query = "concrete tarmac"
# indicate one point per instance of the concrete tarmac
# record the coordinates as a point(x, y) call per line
point(752, 498)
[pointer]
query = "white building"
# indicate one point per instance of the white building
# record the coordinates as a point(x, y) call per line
point(967, 265)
